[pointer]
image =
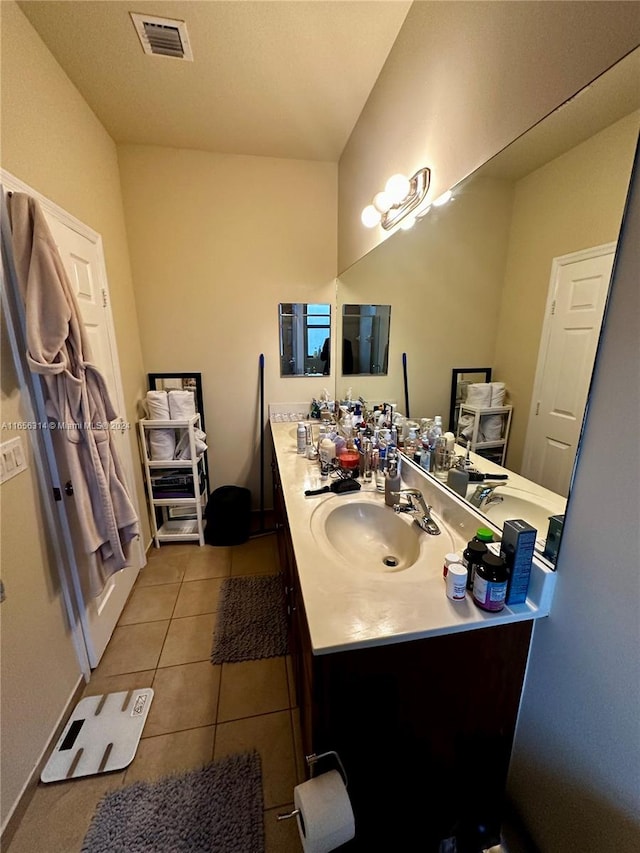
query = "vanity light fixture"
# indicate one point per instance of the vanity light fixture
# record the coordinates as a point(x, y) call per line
point(400, 196)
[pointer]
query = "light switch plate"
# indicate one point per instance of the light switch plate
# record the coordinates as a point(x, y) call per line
point(13, 459)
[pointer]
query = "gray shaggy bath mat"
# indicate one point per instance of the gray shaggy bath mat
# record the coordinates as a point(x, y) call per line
point(252, 621)
point(214, 810)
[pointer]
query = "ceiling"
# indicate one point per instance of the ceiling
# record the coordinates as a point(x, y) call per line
point(279, 79)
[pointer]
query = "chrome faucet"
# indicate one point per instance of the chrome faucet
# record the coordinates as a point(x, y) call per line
point(485, 495)
point(416, 504)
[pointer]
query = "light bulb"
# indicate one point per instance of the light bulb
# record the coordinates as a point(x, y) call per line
point(443, 199)
point(397, 188)
point(408, 222)
point(370, 216)
point(382, 202)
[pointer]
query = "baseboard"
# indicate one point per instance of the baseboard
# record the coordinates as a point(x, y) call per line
point(21, 805)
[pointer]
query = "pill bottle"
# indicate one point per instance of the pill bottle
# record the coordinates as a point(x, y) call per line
point(448, 559)
point(483, 534)
point(457, 582)
point(490, 583)
point(472, 558)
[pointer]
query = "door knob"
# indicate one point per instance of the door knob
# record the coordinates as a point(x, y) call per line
point(68, 488)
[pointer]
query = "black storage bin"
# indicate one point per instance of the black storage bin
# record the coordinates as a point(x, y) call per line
point(228, 516)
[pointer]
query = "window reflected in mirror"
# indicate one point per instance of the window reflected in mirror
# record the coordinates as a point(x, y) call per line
point(305, 339)
point(365, 339)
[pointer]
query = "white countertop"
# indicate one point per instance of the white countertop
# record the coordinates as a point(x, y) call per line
point(348, 607)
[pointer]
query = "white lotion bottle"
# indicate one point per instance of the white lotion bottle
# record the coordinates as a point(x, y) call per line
point(327, 451)
point(302, 438)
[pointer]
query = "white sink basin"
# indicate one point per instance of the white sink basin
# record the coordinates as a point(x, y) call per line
point(517, 503)
point(369, 536)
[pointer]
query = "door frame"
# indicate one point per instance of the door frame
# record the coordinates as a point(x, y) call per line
point(42, 444)
point(557, 265)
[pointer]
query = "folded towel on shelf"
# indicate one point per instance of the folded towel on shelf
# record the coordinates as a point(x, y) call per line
point(479, 395)
point(497, 393)
point(157, 405)
point(162, 444)
point(183, 448)
point(182, 405)
point(465, 426)
point(491, 427)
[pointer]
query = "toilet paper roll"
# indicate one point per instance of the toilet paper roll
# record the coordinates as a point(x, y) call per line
point(326, 818)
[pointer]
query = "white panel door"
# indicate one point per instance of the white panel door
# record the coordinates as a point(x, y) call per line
point(82, 258)
point(577, 296)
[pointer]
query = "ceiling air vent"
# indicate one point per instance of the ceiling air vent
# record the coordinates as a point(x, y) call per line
point(162, 36)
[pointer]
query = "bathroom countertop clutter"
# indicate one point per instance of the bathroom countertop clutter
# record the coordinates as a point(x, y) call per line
point(358, 596)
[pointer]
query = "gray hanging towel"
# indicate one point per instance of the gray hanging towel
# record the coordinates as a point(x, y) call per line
point(76, 394)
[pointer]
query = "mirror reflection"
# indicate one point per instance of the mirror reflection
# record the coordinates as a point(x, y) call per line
point(305, 339)
point(365, 339)
point(513, 274)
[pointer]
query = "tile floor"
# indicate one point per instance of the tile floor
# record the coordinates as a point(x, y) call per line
point(200, 712)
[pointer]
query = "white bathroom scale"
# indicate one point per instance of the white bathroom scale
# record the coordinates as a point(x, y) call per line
point(102, 735)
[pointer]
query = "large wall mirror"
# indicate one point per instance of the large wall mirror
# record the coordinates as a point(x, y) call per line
point(365, 339)
point(476, 281)
point(305, 338)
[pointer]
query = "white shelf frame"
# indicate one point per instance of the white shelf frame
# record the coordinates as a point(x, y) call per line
point(175, 530)
point(478, 412)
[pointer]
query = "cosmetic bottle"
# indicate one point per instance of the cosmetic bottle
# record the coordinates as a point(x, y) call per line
point(366, 449)
point(411, 444)
point(435, 431)
point(425, 456)
point(380, 468)
point(301, 436)
point(327, 452)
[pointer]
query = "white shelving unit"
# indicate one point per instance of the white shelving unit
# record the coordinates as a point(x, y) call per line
point(484, 448)
point(182, 517)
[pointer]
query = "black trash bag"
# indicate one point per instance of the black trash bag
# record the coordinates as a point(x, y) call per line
point(228, 516)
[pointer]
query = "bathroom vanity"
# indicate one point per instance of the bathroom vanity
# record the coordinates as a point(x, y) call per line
point(418, 694)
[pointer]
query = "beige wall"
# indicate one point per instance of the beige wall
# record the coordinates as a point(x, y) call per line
point(462, 81)
point(575, 767)
point(52, 141)
point(443, 290)
point(554, 213)
point(216, 242)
